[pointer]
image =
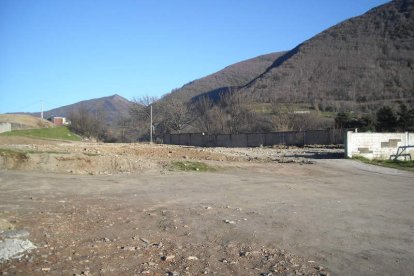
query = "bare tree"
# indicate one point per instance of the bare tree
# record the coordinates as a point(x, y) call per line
point(86, 123)
point(139, 121)
point(175, 114)
point(201, 112)
point(140, 108)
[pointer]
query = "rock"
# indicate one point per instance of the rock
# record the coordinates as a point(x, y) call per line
point(229, 221)
point(224, 261)
point(192, 258)
point(158, 245)
point(173, 273)
point(168, 258)
point(129, 248)
point(144, 240)
point(46, 269)
point(11, 248)
point(15, 234)
point(244, 254)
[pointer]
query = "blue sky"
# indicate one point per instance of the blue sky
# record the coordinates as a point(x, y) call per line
point(65, 51)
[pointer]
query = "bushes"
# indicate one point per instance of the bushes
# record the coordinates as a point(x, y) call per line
point(385, 120)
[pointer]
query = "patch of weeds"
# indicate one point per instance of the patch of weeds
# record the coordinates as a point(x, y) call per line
point(395, 164)
point(14, 154)
point(190, 166)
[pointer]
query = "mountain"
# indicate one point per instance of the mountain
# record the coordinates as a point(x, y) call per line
point(366, 60)
point(237, 74)
point(113, 108)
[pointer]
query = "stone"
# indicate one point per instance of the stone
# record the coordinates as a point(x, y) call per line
point(15, 234)
point(168, 258)
point(192, 258)
point(244, 254)
point(11, 248)
point(144, 240)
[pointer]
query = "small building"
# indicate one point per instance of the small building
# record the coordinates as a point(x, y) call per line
point(60, 121)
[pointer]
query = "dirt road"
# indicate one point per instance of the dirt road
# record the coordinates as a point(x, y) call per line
point(252, 219)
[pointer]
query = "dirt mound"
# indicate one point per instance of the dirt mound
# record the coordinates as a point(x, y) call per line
point(94, 158)
point(20, 121)
point(98, 158)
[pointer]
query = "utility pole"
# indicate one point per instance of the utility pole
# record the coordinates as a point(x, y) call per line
point(151, 124)
point(41, 109)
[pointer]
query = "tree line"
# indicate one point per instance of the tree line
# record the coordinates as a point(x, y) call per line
point(386, 119)
point(229, 113)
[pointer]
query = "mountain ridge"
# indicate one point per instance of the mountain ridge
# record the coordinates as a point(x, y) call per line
point(362, 62)
point(364, 54)
point(236, 74)
point(113, 108)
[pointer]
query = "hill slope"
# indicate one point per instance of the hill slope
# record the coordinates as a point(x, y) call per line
point(367, 59)
point(20, 121)
point(113, 108)
point(237, 74)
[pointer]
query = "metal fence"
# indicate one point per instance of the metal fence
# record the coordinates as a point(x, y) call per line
point(289, 138)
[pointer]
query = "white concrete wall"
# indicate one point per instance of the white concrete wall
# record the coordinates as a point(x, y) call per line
point(4, 127)
point(377, 145)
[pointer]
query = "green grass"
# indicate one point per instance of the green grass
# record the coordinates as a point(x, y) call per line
point(190, 166)
point(61, 133)
point(328, 114)
point(397, 164)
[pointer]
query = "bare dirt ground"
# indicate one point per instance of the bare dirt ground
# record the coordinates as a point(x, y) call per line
point(262, 212)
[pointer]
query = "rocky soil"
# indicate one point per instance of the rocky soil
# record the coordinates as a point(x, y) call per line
point(74, 238)
point(95, 158)
point(72, 233)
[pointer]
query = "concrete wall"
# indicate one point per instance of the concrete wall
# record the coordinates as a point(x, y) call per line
point(5, 127)
point(377, 145)
point(291, 138)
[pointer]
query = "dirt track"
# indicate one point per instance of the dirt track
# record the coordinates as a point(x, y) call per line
point(351, 218)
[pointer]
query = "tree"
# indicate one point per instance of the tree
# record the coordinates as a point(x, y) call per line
point(207, 116)
point(140, 113)
point(343, 120)
point(405, 118)
point(386, 119)
point(175, 114)
point(238, 116)
point(86, 123)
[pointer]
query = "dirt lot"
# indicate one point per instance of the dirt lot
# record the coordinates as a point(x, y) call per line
point(261, 212)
